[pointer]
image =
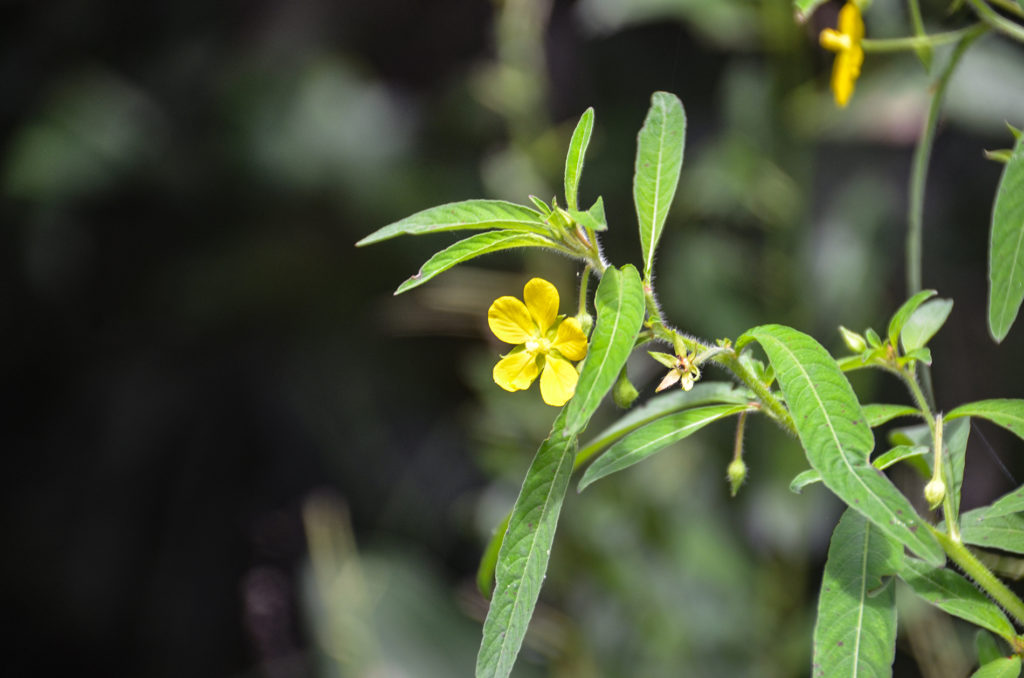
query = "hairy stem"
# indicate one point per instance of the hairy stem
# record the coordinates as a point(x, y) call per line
point(981, 575)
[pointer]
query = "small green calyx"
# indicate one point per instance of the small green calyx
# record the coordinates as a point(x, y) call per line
point(624, 393)
point(934, 492)
point(854, 341)
point(737, 475)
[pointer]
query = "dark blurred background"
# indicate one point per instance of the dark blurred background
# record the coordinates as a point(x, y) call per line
point(230, 451)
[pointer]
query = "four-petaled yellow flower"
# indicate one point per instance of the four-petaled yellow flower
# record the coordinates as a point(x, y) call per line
point(849, 54)
point(546, 343)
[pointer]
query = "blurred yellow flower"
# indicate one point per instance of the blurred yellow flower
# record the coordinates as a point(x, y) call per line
point(546, 343)
point(849, 54)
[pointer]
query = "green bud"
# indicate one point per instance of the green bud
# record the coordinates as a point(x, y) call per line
point(854, 341)
point(586, 322)
point(935, 492)
point(737, 474)
point(624, 393)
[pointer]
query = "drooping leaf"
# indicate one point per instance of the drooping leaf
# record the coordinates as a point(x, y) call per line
point(923, 323)
point(903, 313)
point(703, 393)
point(855, 631)
point(466, 215)
point(525, 551)
point(1004, 667)
point(897, 454)
point(619, 301)
point(954, 594)
point(879, 413)
point(1007, 412)
point(835, 435)
point(882, 462)
point(804, 8)
point(574, 159)
point(1006, 247)
point(1002, 531)
point(659, 159)
point(654, 437)
point(470, 248)
point(485, 570)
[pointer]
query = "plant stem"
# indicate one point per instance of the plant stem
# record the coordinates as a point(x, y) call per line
point(914, 41)
point(1009, 6)
point(981, 575)
point(584, 282)
point(997, 21)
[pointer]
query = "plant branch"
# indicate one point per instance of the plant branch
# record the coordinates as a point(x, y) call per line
point(997, 21)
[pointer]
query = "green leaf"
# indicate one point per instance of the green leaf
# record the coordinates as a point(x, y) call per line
point(1002, 531)
point(593, 218)
point(924, 323)
point(620, 312)
point(485, 570)
point(1006, 249)
point(903, 313)
point(1008, 503)
point(835, 435)
point(703, 393)
point(574, 159)
point(954, 439)
point(955, 595)
point(803, 479)
point(466, 215)
point(525, 551)
point(659, 159)
point(545, 209)
point(653, 438)
point(804, 8)
point(1004, 667)
point(470, 248)
point(986, 646)
point(878, 414)
point(1006, 412)
point(855, 632)
point(898, 454)
point(882, 462)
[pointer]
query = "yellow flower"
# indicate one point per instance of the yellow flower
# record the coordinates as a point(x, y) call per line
point(849, 54)
point(546, 343)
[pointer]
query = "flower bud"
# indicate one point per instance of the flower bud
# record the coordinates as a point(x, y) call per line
point(935, 492)
point(737, 474)
point(854, 341)
point(624, 393)
point(586, 321)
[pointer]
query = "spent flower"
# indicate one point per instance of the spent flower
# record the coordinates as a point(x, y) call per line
point(546, 343)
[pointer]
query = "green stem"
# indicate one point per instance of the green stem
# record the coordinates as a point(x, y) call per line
point(981, 575)
point(914, 41)
point(1009, 6)
point(583, 290)
point(997, 21)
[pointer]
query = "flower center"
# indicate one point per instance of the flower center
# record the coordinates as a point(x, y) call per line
point(538, 345)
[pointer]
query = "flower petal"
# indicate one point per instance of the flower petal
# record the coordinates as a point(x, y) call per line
point(570, 341)
point(541, 298)
point(510, 321)
point(844, 74)
point(851, 23)
point(557, 381)
point(516, 371)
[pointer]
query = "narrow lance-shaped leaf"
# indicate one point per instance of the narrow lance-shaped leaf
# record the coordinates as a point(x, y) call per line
point(855, 631)
point(659, 159)
point(882, 462)
point(954, 594)
point(703, 393)
point(1004, 667)
point(655, 437)
point(880, 413)
point(836, 437)
point(619, 302)
point(525, 551)
point(1012, 502)
point(1007, 412)
point(1006, 247)
point(466, 216)
point(954, 439)
point(574, 159)
point(488, 562)
point(470, 248)
point(1003, 531)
